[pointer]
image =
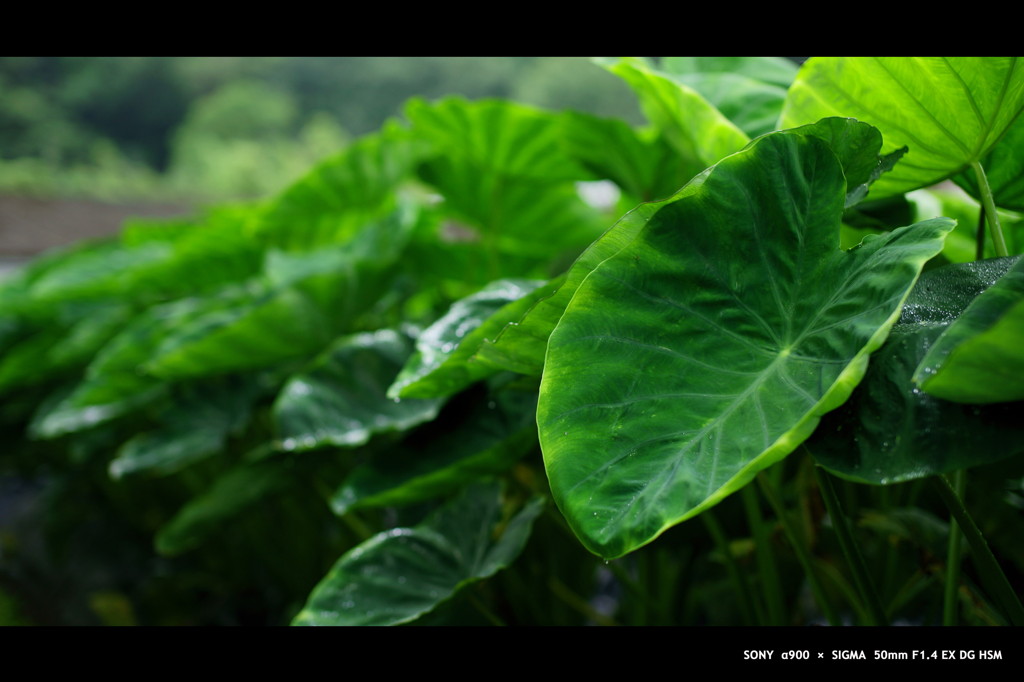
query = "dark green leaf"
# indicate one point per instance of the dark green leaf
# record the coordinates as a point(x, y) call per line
point(856, 146)
point(443, 363)
point(401, 574)
point(465, 443)
point(709, 347)
point(195, 426)
point(229, 495)
point(340, 399)
point(303, 302)
point(113, 384)
point(979, 358)
point(891, 431)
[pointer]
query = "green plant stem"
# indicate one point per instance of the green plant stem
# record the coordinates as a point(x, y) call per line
point(992, 575)
point(799, 544)
point(988, 201)
point(771, 587)
point(949, 610)
point(830, 572)
point(979, 238)
point(875, 612)
point(752, 613)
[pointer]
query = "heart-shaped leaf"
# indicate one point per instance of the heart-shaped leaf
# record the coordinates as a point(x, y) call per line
point(709, 347)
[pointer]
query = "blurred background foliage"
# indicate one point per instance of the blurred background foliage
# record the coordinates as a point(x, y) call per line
point(224, 128)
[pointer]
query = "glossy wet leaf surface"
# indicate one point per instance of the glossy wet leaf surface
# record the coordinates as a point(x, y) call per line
point(737, 322)
point(444, 362)
point(979, 358)
point(341, 399)
point(892, 431)
point(400, 574)
point(949, 111)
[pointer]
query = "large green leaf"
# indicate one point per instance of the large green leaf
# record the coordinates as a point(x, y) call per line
point(341, 399)
point(195, 426)
point(104, 271)
point(891, 431)
point(337, 197)
point(949, 111)
point(501, 170)
point(59, 348)
point(750, 91)
point(398, 575)
point(640, 162)
point(709, 347)
point(514, 215)
point(504, 137)
point(699, 132)
point(462, 445)
point(444, 362)
point(302, 302)
point(114, 384)
point(979, 359)
point(207, 253)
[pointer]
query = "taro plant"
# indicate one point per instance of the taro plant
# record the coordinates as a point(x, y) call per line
point(421, 383)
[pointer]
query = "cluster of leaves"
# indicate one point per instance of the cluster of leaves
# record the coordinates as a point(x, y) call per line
point(373, 364)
